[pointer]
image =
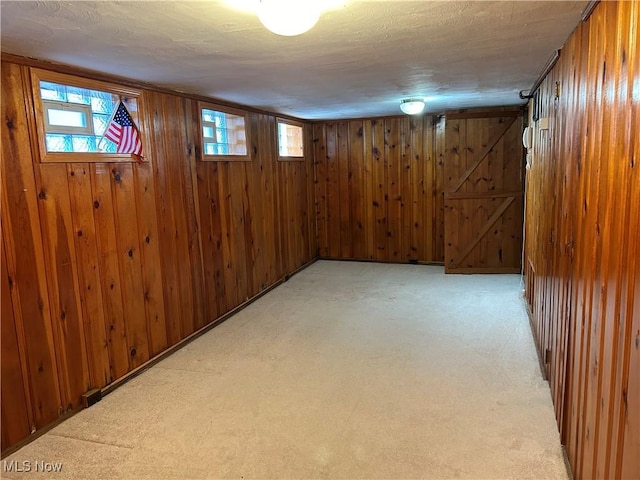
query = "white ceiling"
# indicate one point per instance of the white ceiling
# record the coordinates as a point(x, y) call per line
point(358, 61)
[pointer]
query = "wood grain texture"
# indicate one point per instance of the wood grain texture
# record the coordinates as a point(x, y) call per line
point(178, 235)
point(16, 405)
point(296, 210)
point(108, 254)
point(377, 192)
point(62, 277)
point(437, 192)
point(23, 239)
point(108, 264)
point(81, 200)
point(582, 230)
point(484, 191)
point(130, 262)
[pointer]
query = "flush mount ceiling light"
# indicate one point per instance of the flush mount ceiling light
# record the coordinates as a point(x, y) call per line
point(412, 106)
point(289, 17)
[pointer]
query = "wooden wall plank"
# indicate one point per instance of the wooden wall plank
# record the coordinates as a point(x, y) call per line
point(311, 233)
point(407, 198)
point(612, 231)
point(333, 192)
point(421, 183)
point(625, 463)
point(210, 225)
point(22, 236)
point(357, 189)
point(424, 210)
point(266, 194)
point(284, 213)
point(438, 190)
point(16, 404)
point(627, 436)
point(108, 261)
point(86, 247)
point(304, 210)
point(570, 409)
point(344, 185)
point(130, 262)
point(620, 304)
point(295, 208)
point(173, 150)
point(271, 148)
point(62, 277)
point(368, 181)
point(380, 189)
point(174, 158)
point(582, 230)
point(165, 210)
point(321, 182)
point(253, 239)
point(393, 196)
point(298, 232)
point(150, 258)
point(237, 185)
point(228, 238)
point(189, 126)
point(217, 250)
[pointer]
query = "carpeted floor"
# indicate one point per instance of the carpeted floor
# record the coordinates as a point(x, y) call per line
point(348, 370)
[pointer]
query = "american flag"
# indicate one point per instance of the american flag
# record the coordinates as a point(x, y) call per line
point(123, 132)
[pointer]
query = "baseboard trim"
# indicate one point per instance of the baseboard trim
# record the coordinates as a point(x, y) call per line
point(373, 260)
point(567, 463)
point(539, 354)
point(39, 432)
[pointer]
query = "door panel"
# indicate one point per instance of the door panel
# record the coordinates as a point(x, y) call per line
point(484, 191)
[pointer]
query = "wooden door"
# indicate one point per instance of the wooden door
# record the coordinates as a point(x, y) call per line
point(484, 191)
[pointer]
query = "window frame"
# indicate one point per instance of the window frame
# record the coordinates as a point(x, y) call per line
point(295, 123)
point(63, 106)
point(126, 94)
point(201, 105)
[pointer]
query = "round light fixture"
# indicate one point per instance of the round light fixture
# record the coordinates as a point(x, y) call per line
point(412, 106)
point(289, 17)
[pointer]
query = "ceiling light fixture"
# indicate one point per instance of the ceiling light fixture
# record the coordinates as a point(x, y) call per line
point(412, 106)
point(289, 17)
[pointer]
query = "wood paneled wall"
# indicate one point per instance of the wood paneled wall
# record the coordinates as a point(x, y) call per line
point(106, 265)
point(582, 237)
point(379, 189)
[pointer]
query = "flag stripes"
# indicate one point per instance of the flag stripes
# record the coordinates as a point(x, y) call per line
point(123, 132)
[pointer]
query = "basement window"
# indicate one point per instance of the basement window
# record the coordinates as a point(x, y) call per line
point(73, 114)
point(69, 118)
point(224, 133)
point(290, 140)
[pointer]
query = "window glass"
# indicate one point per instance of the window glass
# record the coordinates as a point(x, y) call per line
point(208, 132)
point(223, 133)
point(70, 118)
point(76, 118)
point(59, 143)
point(290, 140)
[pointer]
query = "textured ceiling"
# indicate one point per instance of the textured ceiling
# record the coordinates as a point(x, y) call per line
point(358, 61)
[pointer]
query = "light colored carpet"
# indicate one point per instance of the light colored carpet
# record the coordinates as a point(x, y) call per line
point(348, 370)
